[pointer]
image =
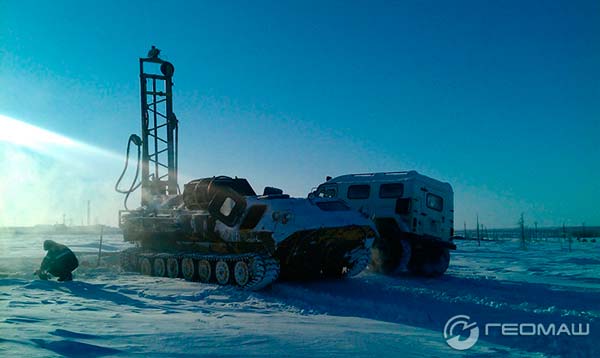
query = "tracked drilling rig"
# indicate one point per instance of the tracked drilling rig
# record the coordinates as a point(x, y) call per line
point(219, 230)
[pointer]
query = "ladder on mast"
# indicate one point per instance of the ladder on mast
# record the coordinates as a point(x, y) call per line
point(159, 128)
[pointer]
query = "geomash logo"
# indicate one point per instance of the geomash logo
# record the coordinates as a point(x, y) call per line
point(458, 325)
point(453, 329)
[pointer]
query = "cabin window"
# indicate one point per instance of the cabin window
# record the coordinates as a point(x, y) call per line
point(327, 192)
point(435, 202)
point(227, 206)
point(359, 191)
point(391, 190)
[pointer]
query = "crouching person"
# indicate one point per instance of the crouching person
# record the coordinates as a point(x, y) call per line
point(60, 261)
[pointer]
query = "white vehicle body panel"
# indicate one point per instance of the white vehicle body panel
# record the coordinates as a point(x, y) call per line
point(418, 204)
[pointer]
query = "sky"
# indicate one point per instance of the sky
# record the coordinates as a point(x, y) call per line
point(500, 99)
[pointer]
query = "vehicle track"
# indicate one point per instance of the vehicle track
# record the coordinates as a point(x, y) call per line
point(429, 303)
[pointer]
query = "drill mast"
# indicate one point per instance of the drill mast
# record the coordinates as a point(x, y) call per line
point(159, 128)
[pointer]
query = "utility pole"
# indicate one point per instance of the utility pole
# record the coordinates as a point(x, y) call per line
point(478, 238)
point(522, 225)
point(88, 213)
point(570, 238)
point(100, 246)
point(564, 236)
point(465, 229)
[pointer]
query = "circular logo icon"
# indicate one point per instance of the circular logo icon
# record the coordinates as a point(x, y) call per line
point(457, 327)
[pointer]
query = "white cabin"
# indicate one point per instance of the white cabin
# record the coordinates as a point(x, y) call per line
point(418, 204)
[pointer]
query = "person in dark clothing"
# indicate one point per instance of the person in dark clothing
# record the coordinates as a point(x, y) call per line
point(60, 261)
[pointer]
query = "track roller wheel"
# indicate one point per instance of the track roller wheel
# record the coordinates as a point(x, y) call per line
point(128, 260)
point(222, 272)
point(160, 267)
point(146, 266)
point(188, 268)
point(241, 273)
point(360, 260)
point(173, 267)
point(204, 271)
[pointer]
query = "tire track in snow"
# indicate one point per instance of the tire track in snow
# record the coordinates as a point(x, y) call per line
point(429, 303)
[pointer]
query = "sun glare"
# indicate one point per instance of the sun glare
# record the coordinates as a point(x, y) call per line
point(23, 134)
point(36, 164)
point(27, 135)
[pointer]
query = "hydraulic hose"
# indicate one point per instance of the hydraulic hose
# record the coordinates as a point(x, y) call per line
point(137, 141)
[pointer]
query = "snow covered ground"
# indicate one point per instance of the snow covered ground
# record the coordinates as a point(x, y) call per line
point(108, 313)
